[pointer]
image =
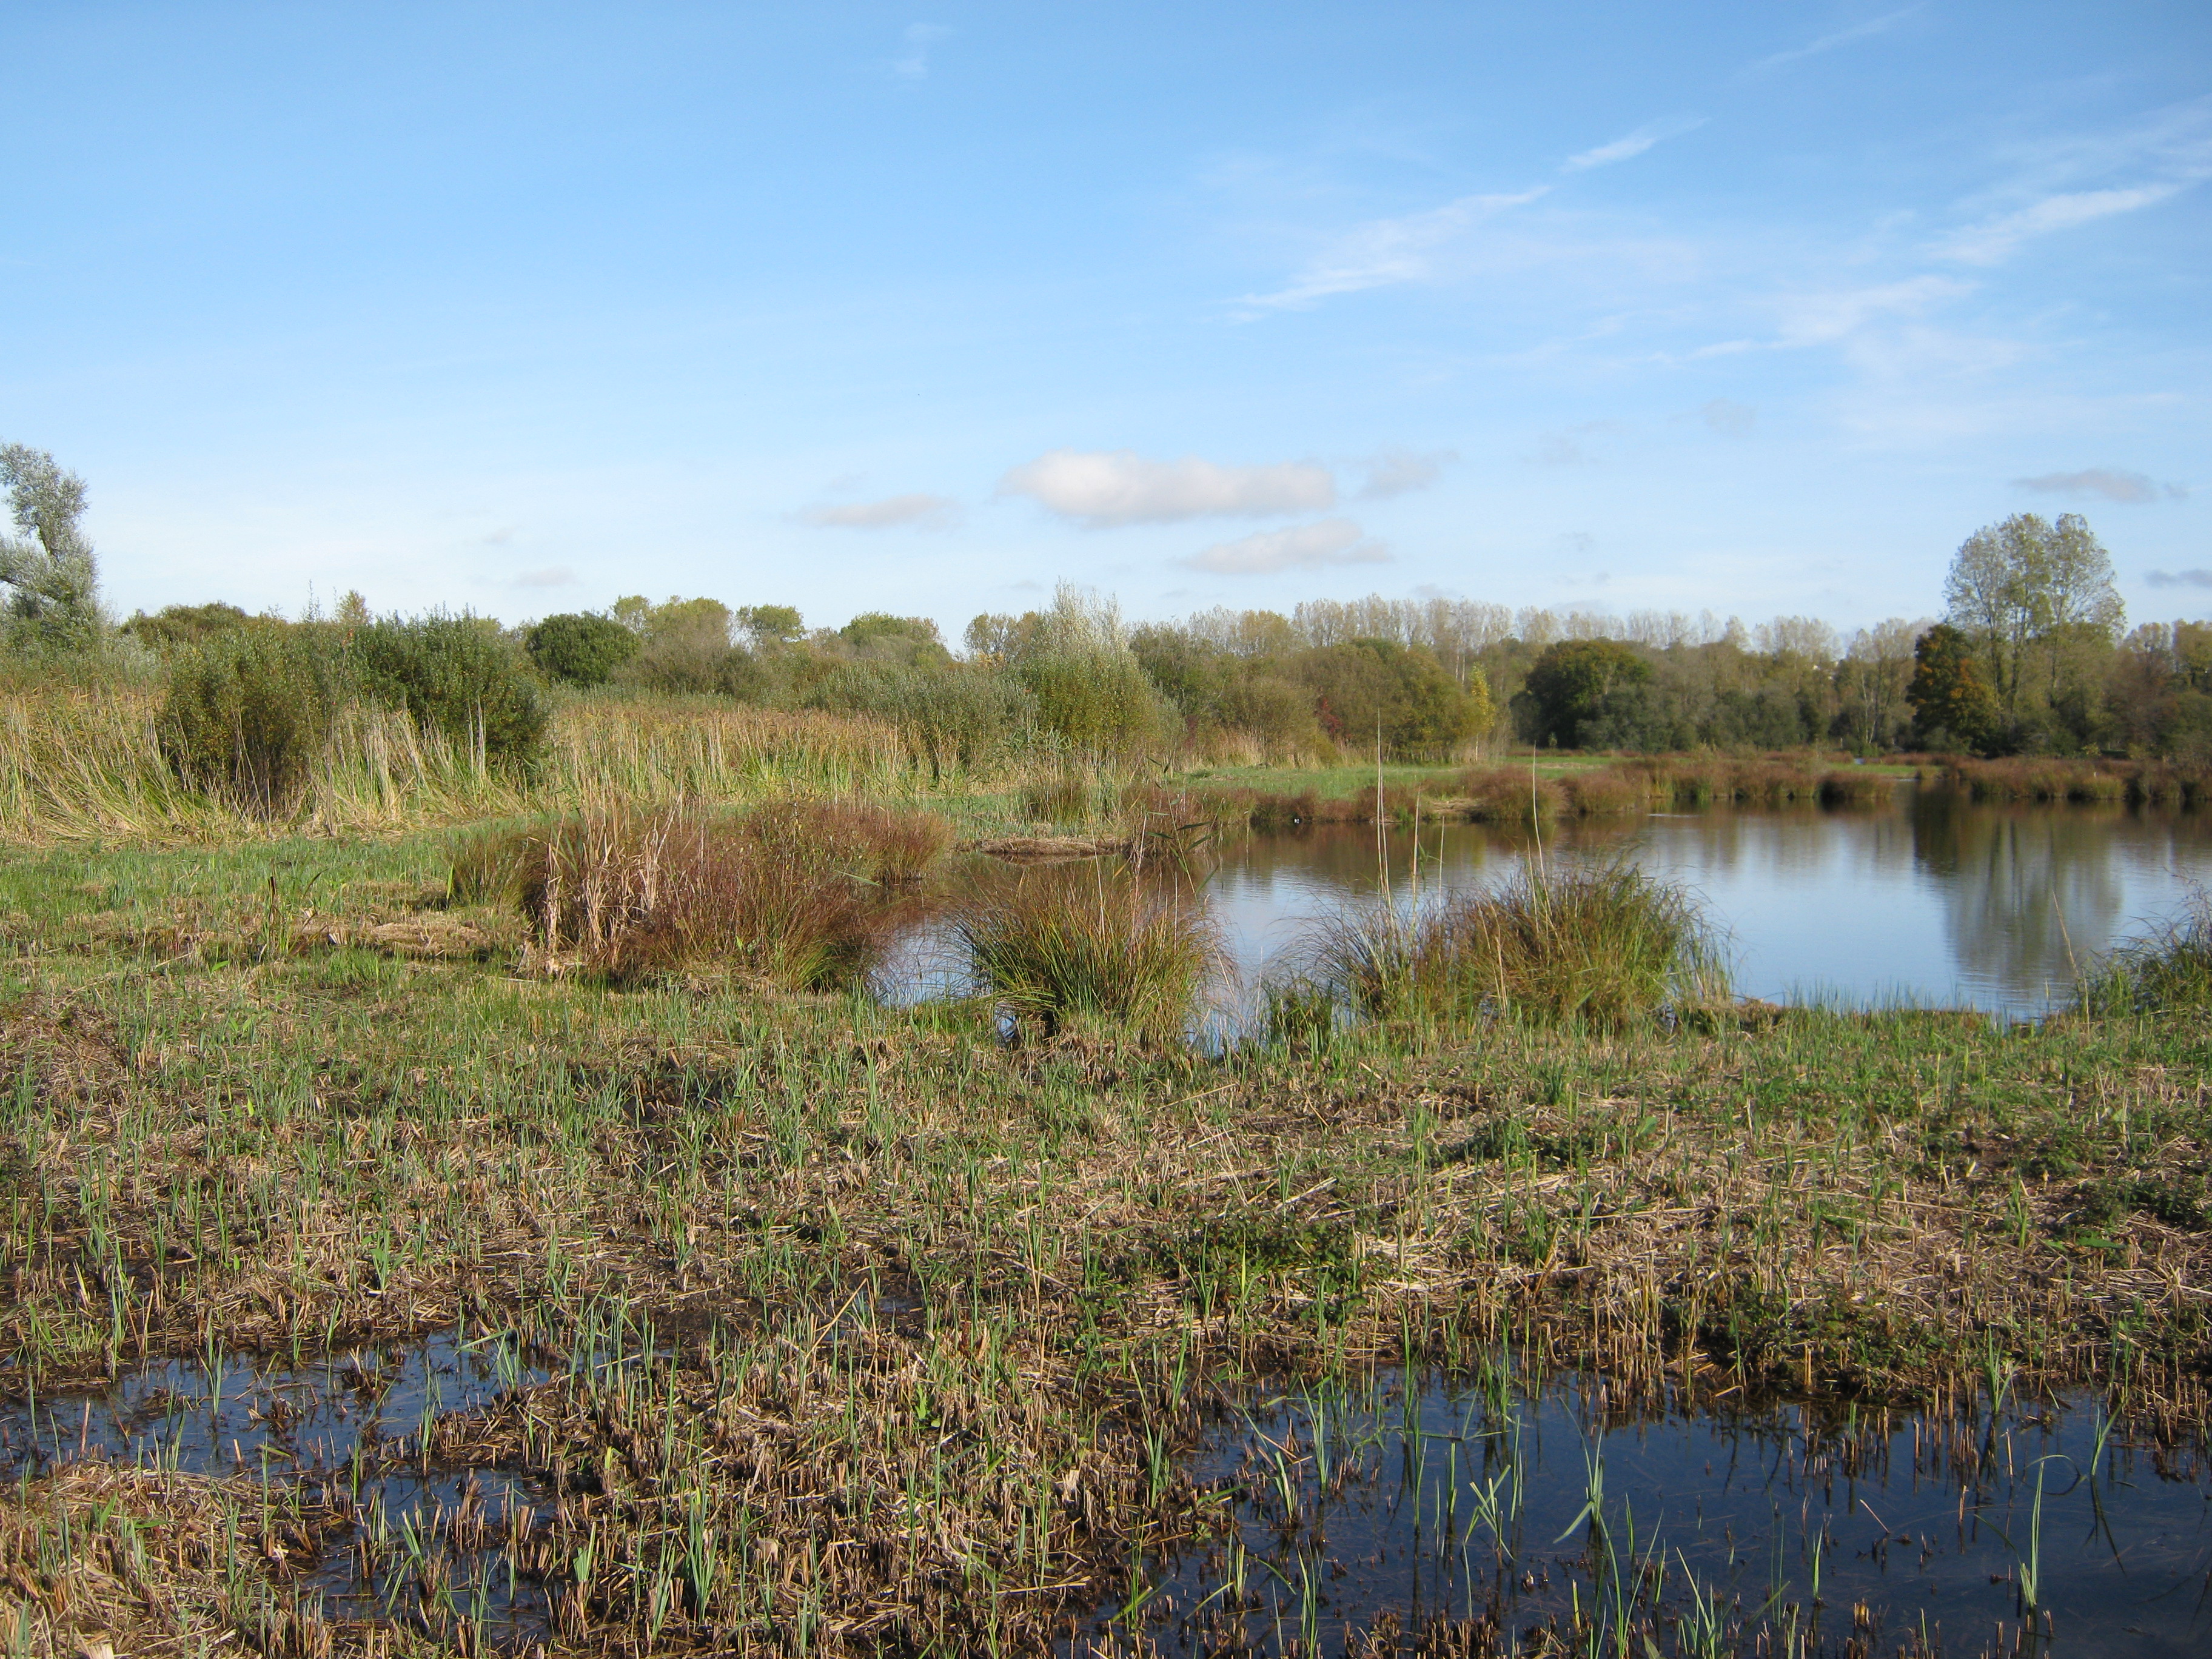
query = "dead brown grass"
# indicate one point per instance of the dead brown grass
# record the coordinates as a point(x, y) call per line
point(630, 894)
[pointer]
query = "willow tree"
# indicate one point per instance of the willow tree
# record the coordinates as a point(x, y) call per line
point(53, 581)
point(2024, 590)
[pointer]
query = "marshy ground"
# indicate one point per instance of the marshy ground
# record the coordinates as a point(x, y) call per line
point(800, 1323)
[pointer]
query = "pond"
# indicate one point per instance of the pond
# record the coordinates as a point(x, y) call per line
point(1932, 901)
point(1488, 1517)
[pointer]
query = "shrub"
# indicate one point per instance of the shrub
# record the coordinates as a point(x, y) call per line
point(1607, 946)
point(459, 676)
point(579, 647)
point(630, 894)
point(1109, 943)
point(248, 713)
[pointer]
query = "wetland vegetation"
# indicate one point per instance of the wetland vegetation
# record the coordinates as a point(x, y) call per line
point(464, 1187)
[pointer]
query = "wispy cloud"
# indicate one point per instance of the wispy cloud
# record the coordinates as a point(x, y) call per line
point(2076, 179)
point(2198, 577)
point(1829, 42)
point(1401, 471)
point(919, 37)
point(1994, 240)
point(1625, 149)
point(1387, 253)
point(2114, 485)
point(919, 512)
point(558, 576)
point(1302, 547)
point(1106, 488)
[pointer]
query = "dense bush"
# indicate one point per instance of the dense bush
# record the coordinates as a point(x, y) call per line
point(248, 711)
point(1587, 693)
point(458, 676)
point(179, 627)
point(1369, 690)
point(953, 714)
point(580, 647)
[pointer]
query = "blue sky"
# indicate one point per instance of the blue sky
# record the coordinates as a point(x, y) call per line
point(1760, 308)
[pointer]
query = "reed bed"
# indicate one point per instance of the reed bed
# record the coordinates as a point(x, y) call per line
point(1602, 945)
point(783, 892)
point(1104, 942)
point(82, 763)
point(2080, 781)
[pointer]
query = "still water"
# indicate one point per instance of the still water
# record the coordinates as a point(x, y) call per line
point(1932, 901)
point(1493, 1518)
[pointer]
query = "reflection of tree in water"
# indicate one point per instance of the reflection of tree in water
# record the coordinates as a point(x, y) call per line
point(2027, 892)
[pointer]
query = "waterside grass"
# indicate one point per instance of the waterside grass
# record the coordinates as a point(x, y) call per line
point(1103, 942)
point(2167, 970)
point(1600, 945)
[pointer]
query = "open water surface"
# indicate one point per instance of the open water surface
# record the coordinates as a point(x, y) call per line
point(1932, 901)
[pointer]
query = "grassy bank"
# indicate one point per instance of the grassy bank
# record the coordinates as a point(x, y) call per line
point(917, 1320)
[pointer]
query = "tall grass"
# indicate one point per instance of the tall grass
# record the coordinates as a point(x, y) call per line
point(629, 893)
point(1511, 795)
point(86, 762)
point(2169, 968)
point(1102, 943)
point(1604, 946)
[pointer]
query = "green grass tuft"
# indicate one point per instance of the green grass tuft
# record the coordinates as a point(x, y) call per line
point(1090, 943)
point(1604, 947)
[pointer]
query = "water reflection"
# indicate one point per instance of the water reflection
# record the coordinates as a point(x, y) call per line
point(1935, 900)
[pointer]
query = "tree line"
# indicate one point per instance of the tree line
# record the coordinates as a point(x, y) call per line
point(2032, 655)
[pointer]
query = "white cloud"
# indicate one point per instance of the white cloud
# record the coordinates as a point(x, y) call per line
point(1387, 253)
point(559, 575)
point(2114, 485)
point(1994, 239)
point(1100, 487)
point(914, 66)
point(1301, 547)
point(1401, 471)
point(1622, 149)
point(1829, 42)
point(2179, 578)
point(1728, 418)
point(921, 512)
